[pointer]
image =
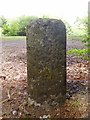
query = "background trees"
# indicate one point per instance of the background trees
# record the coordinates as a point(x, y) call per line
point(2, 21)
point(15, 27)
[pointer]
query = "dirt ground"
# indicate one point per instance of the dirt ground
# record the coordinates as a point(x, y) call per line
point(15, 100)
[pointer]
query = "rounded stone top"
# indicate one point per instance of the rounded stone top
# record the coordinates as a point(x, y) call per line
point(46, 22)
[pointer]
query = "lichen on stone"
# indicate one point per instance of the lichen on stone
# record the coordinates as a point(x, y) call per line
point(46, 60)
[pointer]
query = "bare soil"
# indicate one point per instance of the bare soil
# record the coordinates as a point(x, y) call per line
point(15, 100)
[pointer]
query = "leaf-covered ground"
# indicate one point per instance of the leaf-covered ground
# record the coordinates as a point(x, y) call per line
point(15, 100)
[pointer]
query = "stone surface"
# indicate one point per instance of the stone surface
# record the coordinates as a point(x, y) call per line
point(46, 61)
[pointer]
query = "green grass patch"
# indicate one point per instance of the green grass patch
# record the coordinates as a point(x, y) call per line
point(75, 38)
point(78, 52)
point(13, 38)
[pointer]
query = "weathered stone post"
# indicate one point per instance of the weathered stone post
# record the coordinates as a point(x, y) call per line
point(89, 57)
point(46, 61)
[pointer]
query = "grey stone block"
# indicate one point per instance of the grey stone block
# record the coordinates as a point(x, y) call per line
point(46, 61)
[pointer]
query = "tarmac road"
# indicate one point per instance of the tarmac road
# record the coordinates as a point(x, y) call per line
point(12, 48)
point(19, 44)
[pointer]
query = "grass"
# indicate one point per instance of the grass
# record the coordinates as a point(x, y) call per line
point(24, 37)
point(79, 53)
point(13, 38)
point(75, 38)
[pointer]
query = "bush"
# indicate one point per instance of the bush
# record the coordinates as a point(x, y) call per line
point(3, 21)
point(17, 27)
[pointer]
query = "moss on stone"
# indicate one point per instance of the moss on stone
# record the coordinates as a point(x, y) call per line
point(46, 60)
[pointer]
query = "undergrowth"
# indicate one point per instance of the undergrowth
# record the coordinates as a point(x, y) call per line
point(79, 53)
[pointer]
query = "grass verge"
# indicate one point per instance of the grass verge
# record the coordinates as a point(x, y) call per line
point(13, 38)
point(75, 38)
point(79, 53)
